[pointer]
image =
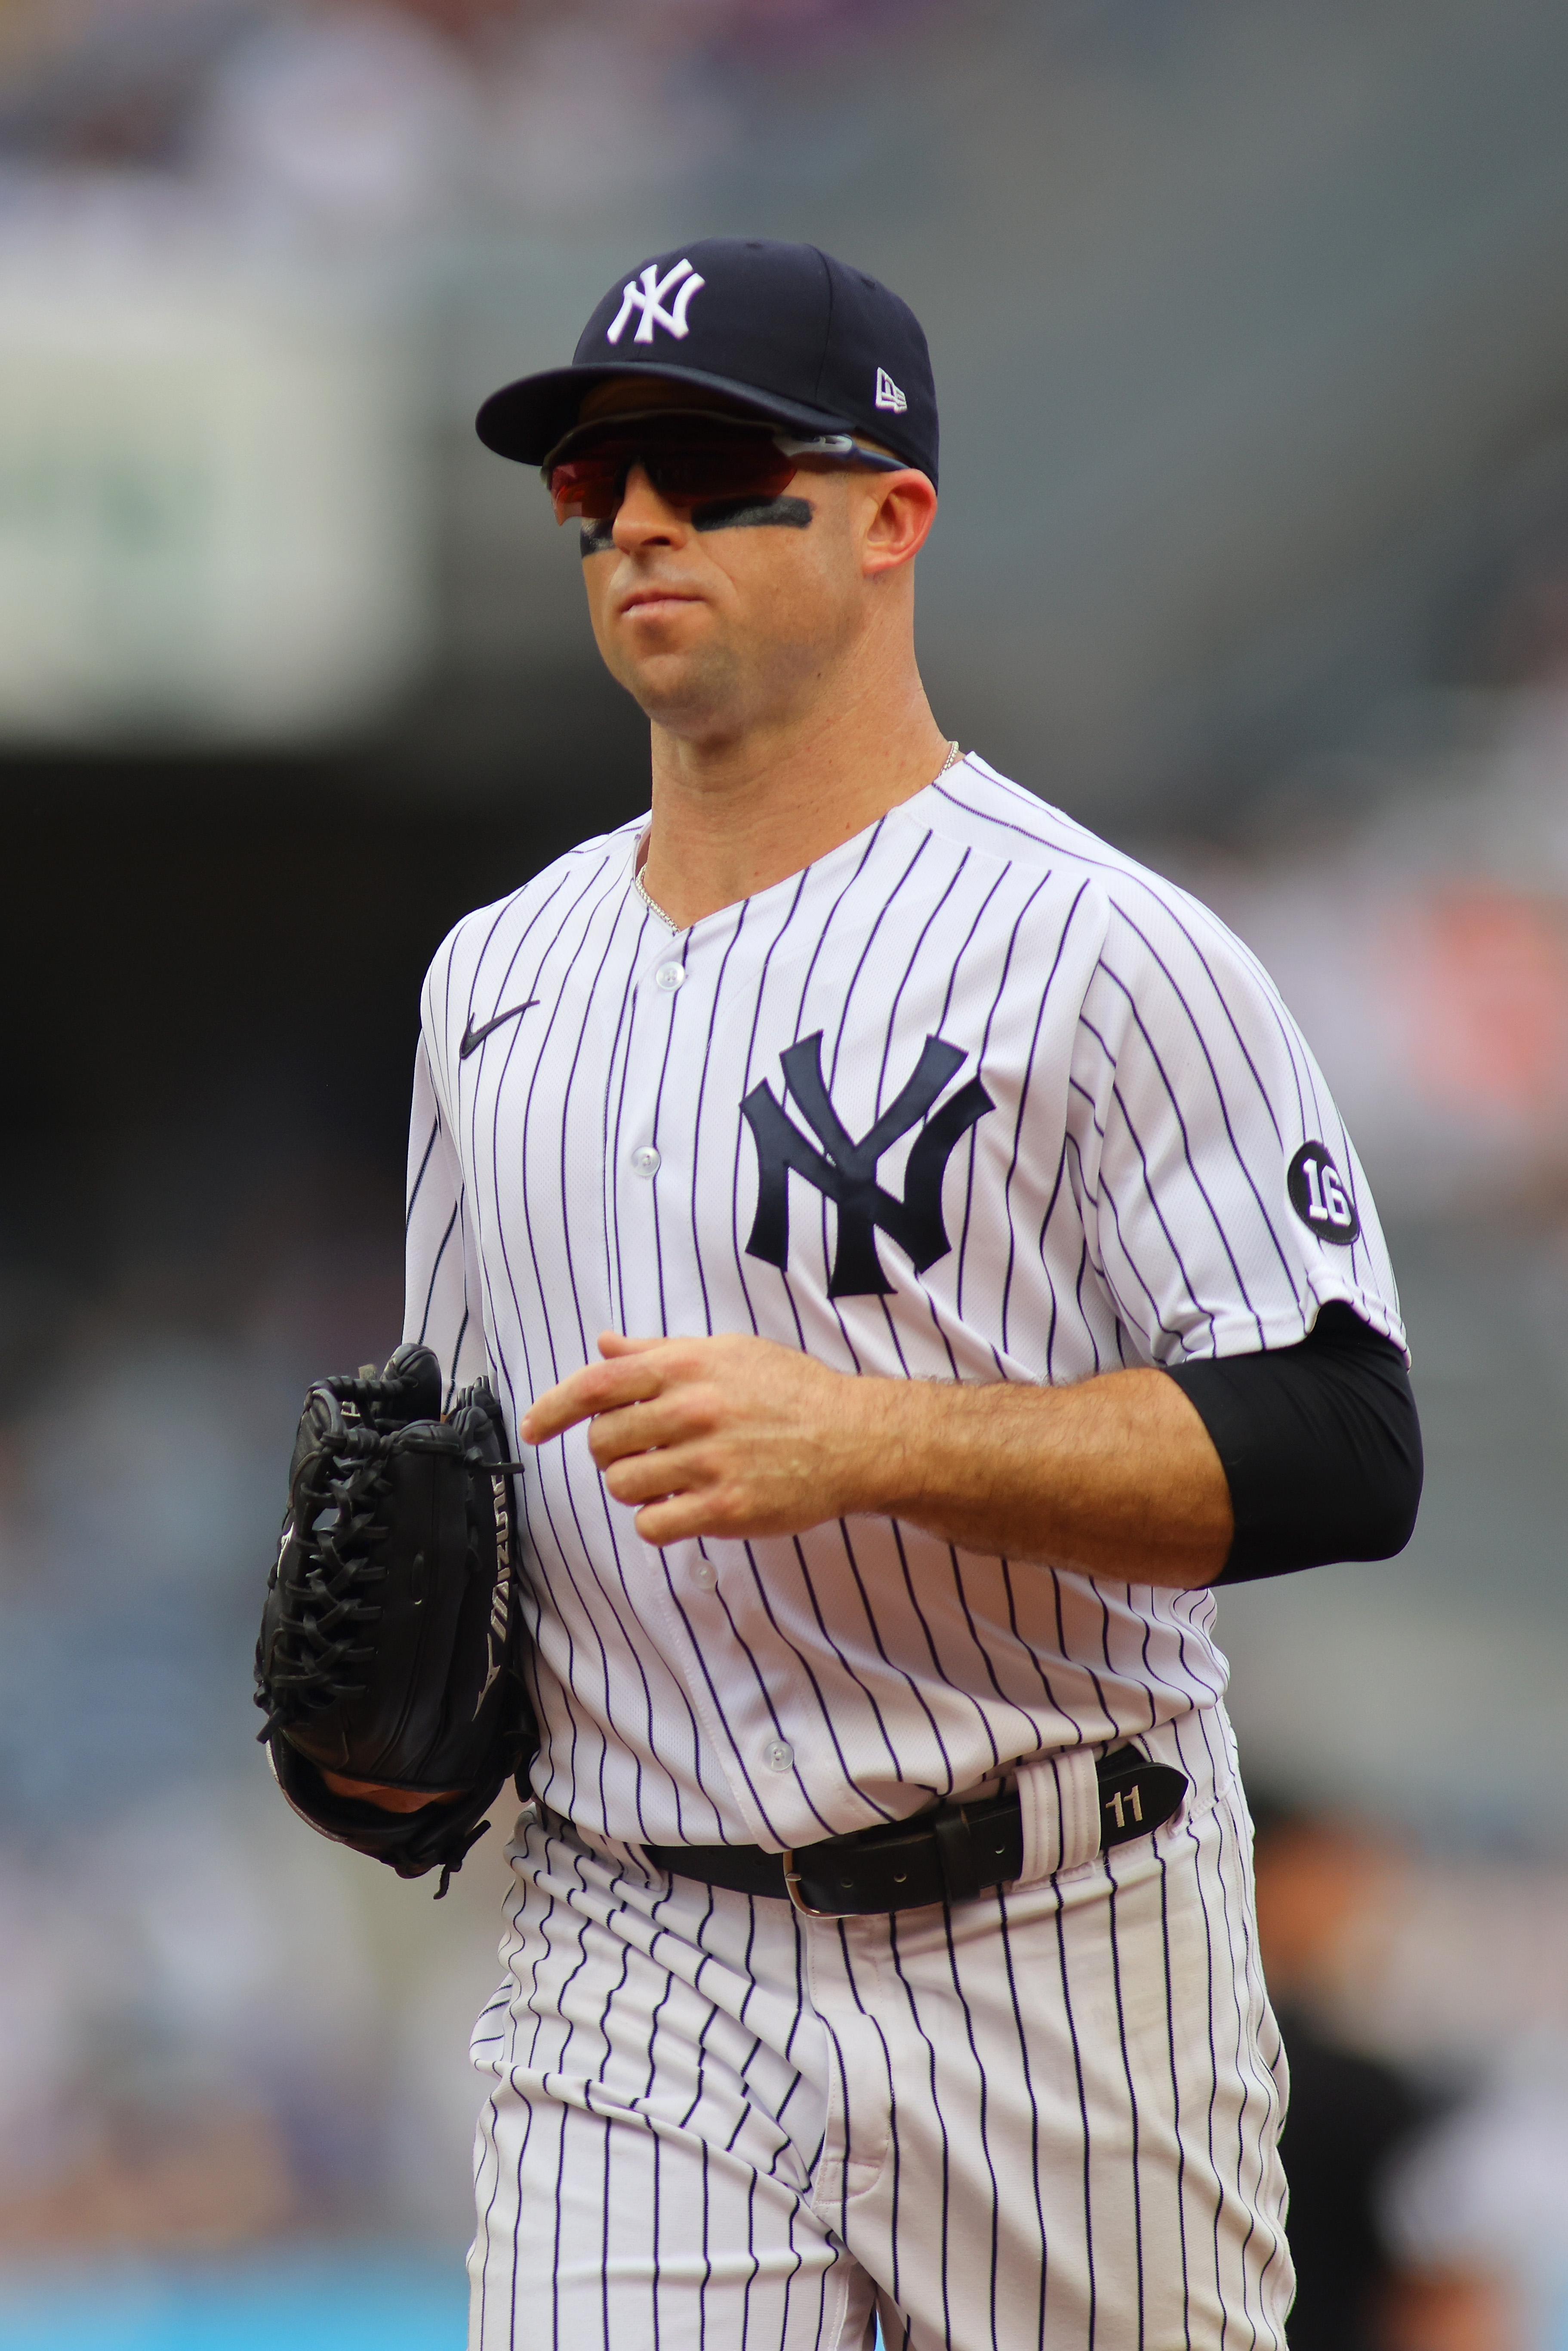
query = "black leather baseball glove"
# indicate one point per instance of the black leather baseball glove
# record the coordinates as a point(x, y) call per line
point(390, 1636)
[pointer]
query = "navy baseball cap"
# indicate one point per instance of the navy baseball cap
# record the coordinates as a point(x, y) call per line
point(784, 331)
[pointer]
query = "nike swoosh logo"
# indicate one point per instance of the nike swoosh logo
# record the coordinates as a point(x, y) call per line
point(472, 1036)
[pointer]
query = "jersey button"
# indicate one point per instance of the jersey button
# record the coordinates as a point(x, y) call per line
point(779, 1755)
point(669, 977)
point(645, 1160)
point(704, 1576)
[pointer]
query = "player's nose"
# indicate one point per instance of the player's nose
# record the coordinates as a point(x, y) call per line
point(644, 519)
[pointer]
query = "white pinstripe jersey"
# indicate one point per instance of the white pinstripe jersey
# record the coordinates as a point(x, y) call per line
point(598, 1155)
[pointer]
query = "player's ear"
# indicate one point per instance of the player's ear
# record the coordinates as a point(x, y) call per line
point(896, 520)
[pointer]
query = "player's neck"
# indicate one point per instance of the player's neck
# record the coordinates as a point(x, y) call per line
point(734, 815)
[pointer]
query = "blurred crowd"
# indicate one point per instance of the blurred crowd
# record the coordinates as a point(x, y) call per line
point(387, 115)
point(1418, 926)
point(233, 235)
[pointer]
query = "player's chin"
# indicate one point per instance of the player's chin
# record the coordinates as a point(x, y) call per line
point(679, 687)
point(664, 657)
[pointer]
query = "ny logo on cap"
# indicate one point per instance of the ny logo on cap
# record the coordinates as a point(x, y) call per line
point(888, 394)
point(649, 298)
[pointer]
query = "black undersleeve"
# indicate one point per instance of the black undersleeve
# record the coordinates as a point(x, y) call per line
point(1320, 1445)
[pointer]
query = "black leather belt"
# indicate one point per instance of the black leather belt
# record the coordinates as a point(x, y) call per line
point(947, 1855)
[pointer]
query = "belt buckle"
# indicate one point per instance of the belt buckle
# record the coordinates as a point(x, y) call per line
point(792, 1887)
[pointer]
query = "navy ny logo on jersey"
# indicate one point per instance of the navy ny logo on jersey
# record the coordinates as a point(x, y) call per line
point(844, 1170)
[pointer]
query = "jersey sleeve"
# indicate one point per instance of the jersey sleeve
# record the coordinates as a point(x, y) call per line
point(1222, 1200)
point(442, 1305)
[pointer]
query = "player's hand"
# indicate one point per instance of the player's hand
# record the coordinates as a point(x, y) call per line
point(727, 1437)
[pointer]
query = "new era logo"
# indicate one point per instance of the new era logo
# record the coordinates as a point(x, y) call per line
point(647, 295)
point(888, 394)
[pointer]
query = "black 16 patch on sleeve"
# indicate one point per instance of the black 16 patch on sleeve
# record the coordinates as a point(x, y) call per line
point(1320, 1196)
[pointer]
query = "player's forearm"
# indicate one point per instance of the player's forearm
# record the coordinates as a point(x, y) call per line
point(1114, 1476)
point(736, 1437)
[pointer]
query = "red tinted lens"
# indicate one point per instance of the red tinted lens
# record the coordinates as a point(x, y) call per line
point(685, 469)
point(705, 475)
point(587, 487)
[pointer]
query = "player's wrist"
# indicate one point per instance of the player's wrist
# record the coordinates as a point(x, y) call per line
point(887, 1434)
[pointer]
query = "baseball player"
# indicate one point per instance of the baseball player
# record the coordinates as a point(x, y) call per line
point(917, 1257)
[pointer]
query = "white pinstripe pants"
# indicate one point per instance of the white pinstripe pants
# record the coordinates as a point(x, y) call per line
point(1044, 2120)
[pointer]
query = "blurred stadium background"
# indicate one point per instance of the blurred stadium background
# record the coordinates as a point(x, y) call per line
point(1251, 324)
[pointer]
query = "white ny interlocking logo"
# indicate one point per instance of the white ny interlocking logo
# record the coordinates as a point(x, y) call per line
point(649, 297)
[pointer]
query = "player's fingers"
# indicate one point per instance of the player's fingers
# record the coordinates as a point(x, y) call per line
point(705, 1489)
point(558, 1409)
point(640, 1478)
point(638, 1428)
point(674, 1517)
point(672, 1417)
point(616, 1342)
point(727, 1508)
point(598, 1387)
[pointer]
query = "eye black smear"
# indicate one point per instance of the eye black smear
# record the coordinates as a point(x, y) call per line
point(722, 514)
point(750, 514)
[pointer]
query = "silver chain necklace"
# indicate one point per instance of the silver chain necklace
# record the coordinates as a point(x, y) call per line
point(954, 756)
point(651, 903)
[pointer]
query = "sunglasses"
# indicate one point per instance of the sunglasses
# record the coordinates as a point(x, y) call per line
point(692, 458)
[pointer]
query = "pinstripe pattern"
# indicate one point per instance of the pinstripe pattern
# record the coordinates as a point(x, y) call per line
point(1124, 1201)
point(1044, 2118)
